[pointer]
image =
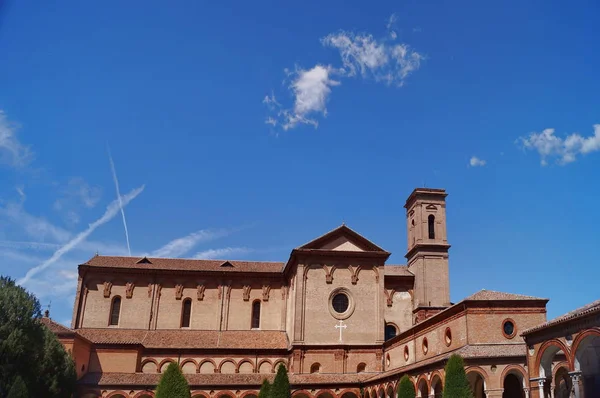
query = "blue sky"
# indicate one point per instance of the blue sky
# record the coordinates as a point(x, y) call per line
point(241, 130)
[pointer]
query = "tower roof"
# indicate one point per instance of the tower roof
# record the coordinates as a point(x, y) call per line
point(438, 193)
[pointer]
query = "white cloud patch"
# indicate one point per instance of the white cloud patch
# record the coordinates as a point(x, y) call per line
point(476, 162)
point(362, 55)
point(35, 227)
point(12, 151)
point(222, 253)
point(75, 196)
point(564, 150)
point(183, 245)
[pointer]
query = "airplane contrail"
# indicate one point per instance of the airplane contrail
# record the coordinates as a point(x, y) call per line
point(111, 210)
point(114, 174)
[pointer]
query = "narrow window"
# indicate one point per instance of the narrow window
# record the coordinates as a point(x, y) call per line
point(256, 315)
point(115, 309)
point(431, 222)
point(186, 312)
point(390, 331)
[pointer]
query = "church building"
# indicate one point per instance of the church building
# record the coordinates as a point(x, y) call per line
point(344, 322)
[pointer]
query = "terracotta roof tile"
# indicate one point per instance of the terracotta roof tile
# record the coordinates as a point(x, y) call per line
point(467, 352)
point(576, 313)
point(491, 295)
point(194, 339)
point(56, 327)
point(180, 264)
point(220, 379)
point(397, 270)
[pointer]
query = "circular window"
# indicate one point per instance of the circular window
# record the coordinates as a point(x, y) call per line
point(425, 345)
point(448, 336)
point(509, 329)
point(406, 353)
point(341, 303)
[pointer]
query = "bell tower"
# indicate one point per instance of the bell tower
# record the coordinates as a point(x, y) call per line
point(427, 256)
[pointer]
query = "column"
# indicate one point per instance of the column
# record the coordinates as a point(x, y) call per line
point(540, 387)
point(575, 378)
point(494, 393)
point(526, 391)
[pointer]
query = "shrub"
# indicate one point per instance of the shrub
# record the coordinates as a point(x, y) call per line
point(456, 384)
point(173, 384)
point(406, 389)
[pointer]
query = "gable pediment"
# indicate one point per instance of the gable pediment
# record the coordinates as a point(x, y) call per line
point(342, 239)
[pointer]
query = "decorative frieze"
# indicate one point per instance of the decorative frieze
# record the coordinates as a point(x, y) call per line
point(246, 292)
point(129, 289)
point(107, 288)
point(266, 289)
point(178, 291)
point(200, 290)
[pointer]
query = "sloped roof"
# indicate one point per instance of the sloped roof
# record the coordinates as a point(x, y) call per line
point(342, 230)
point(221, 379)
point(180, 264)
point(580, 312)
point(191, 339)
point(396, 270)
point(56, 327)
point(491, 295)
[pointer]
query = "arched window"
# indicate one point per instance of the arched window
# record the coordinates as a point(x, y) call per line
point(431, 223)
point(115, 310)
point(390, 331)
point(186, 313)
point(315, 368)
point(256, 315)
point(361, 367)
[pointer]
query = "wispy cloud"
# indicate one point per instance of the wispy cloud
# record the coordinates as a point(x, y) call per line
point(362, 55)
point(391, 26)
point(476, 162)
point(77, 194)
point(116, 181)
point(111, 210)
point(564, 150)
point(222, 253)
point(88, 247)
point(180, 246)
point(36, 227)
point(12, 151)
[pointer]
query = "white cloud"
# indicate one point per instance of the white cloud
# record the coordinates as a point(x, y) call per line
point(565, 150)
point(361, 55)
point(12, 152)
point(180, 246)
point(111, 210)
point(36, 227)
point(391, 25)
point(475, 162)
point(223, 253)
point(77, 194)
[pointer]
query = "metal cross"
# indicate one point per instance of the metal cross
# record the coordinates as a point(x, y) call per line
point(341, 326)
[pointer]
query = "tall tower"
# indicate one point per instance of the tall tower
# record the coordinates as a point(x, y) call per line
point(427, 255)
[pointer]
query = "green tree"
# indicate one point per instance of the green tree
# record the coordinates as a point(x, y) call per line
point(281, 384)
point(406, 389)
point(173, 384)
point(265, 389)
point(456, 384)
point(18, 389)
point(28, 350)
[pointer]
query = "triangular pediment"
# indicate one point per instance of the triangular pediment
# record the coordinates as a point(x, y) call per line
point(342, 239)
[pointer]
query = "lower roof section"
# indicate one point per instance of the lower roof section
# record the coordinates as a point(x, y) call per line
point(189, 339)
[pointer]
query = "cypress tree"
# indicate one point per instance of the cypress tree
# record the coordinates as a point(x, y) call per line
point(265, 389)
point(18, 389)
point(406, 389)
point(281, 384)
point(456, 384)
point(173, 384)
